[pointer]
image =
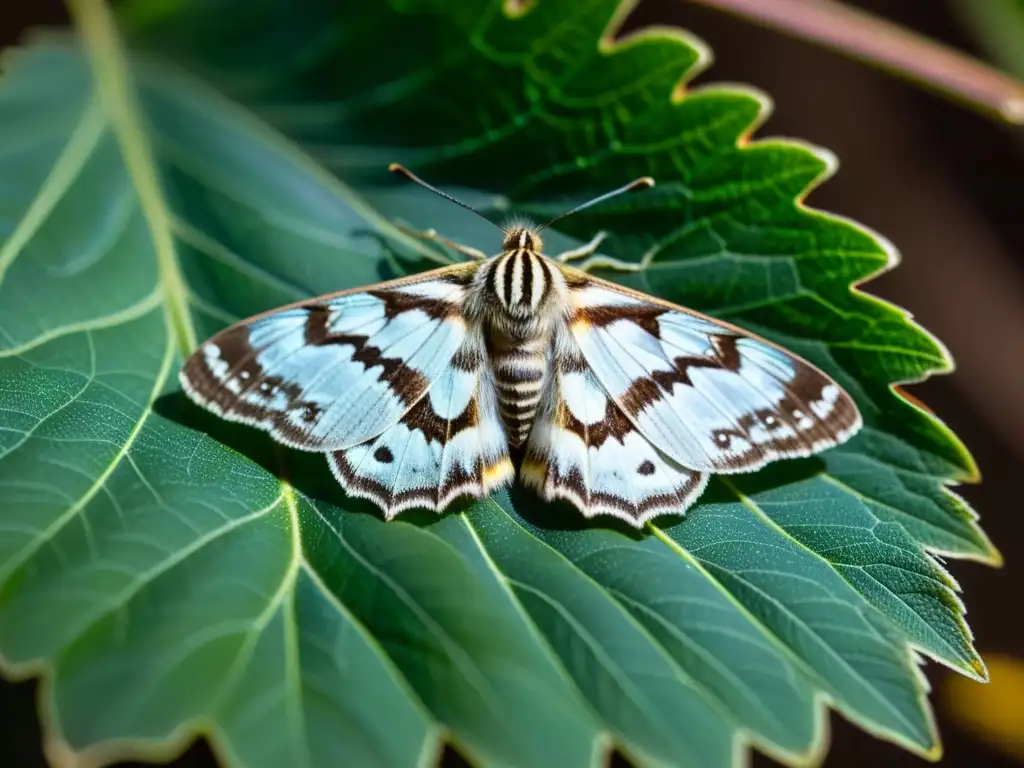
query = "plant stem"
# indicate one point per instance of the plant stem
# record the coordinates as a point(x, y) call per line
point(883, 44)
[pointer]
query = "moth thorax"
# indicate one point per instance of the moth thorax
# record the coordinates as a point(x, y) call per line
point(520, 281)
point(524, 239)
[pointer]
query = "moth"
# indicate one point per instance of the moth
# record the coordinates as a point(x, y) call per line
point(420, 390)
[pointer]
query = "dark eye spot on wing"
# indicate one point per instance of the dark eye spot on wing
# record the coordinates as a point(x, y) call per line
point(647, 468)
point(722, 439)
point(310, 413)
point(383, 455)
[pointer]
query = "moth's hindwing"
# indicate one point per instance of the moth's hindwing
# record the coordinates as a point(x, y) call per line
point(584, 449)
point(337, 371)
point(450, 444)
point(711, 396)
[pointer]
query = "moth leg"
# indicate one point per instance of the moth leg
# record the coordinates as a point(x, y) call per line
point(607, 262)
point(596, 261)
point(587, 249)
point(432, 236)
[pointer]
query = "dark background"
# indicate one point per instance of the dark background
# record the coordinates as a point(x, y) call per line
point(947, 187)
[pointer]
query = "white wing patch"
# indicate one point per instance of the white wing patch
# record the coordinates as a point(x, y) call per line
point(332, 373)
point(450, 444)
point(584, 449)
point(705, 393)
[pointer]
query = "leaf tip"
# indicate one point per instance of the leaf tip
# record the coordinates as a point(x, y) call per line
point(992, 557)
point(978, 667)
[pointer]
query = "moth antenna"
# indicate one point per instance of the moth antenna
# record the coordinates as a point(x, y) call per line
point(644, 182)
point(401, 169)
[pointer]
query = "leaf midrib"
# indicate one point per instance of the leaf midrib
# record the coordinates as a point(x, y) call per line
point(111, 80)
point(115, 90)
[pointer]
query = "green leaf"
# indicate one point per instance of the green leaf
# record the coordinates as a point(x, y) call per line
point(998, 26)
point(236, 592)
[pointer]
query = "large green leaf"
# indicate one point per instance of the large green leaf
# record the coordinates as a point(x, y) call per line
point(238, 593)
point(998, 25)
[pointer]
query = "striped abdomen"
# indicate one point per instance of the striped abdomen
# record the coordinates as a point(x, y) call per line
point(520, 371)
